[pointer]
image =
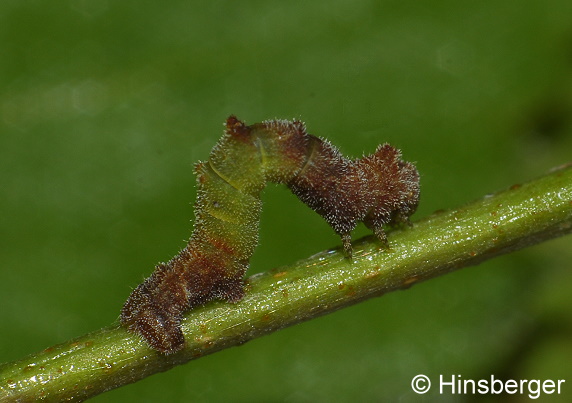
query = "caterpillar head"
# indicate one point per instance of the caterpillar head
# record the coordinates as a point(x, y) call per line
point(158, 326)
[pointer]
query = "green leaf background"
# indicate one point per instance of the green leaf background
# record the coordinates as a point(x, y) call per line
point(105, 106)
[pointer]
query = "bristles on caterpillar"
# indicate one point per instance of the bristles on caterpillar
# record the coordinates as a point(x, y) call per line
point(377, 189)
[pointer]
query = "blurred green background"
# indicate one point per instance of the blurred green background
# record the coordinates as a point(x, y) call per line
point(105, 106)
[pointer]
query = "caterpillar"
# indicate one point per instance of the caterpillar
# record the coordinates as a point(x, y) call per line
point(377, 189)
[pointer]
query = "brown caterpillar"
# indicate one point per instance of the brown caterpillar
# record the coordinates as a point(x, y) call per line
point(377, 189)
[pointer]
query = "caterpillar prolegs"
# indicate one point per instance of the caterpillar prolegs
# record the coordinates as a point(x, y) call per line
point(377, 189)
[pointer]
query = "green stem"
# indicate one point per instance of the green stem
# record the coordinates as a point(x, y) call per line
point(513, 219)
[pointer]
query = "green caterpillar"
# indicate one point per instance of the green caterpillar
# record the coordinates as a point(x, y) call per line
point(377, 189)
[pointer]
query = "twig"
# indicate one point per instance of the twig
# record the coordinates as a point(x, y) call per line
point(521, 216)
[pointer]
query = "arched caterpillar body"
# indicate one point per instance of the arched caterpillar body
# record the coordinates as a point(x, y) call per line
point(376, 189)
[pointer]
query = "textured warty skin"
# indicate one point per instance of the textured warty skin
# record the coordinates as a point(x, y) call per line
point(377, 189)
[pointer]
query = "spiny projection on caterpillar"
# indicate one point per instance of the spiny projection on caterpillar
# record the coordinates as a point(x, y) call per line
point(377, 189)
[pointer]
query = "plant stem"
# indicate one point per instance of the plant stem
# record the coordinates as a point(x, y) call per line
point(507, 221)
